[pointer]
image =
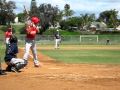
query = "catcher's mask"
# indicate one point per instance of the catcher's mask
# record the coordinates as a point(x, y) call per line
point(9, 28)
point(13, 39)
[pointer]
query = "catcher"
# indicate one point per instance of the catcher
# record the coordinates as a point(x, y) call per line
point(14, 63)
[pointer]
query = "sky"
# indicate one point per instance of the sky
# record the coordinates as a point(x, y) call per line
point(78, 6)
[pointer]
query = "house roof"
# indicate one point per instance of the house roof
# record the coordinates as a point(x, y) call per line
point(118, 28)
point(99, 24)
point(93, 26)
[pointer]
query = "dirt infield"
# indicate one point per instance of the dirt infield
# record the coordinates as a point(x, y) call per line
point(58, 76)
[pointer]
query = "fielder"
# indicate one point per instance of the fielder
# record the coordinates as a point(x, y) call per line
point(31, 31)
point(57, 39)
point(14, 63)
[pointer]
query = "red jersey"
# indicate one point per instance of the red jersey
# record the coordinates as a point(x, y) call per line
point(8, 34)
point(31, 32)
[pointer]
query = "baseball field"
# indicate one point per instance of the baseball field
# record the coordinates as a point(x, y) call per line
point(72, 67)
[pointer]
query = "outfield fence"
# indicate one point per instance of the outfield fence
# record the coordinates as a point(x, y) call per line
point(73, 39)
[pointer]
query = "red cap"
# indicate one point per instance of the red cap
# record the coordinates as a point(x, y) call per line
point(36, 20)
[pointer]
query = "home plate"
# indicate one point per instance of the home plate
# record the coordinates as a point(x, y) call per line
point(54, 68)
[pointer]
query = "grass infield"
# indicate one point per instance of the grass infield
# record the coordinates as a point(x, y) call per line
point(92, 56)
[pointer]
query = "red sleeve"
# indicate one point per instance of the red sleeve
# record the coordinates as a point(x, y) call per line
point(5, 34)
point(27, 29)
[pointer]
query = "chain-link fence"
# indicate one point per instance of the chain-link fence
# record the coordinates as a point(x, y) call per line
point(73, 39)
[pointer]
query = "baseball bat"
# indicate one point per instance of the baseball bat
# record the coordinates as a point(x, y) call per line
point(26, 12)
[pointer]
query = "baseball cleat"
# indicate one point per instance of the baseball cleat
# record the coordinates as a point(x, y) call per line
point(13, 69)
point(2, 72)
point(37, 65)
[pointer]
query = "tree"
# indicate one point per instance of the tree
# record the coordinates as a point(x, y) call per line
point(21, 17)
point(109, 17)
point(86, 20)
point(49, 15)
point(34, 9)
point(67, 11)
point(79, 23)
point(70, 24)
point(6, 12)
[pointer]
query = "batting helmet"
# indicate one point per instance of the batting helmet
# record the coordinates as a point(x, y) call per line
point(35, 20)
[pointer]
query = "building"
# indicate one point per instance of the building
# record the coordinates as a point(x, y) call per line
point(98, 26)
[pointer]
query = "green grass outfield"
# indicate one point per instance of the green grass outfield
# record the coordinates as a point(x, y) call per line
point(93, 54)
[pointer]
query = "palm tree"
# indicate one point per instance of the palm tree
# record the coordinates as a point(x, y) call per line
point(86, 20)
point(67, 11)
point(33, 9)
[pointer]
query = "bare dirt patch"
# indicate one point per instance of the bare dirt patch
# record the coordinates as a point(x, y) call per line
point(59, 76)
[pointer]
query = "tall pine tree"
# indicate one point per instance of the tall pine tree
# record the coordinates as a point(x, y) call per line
point(33, 9)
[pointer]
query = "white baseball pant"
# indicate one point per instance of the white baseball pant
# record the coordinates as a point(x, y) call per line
point(57, 42)
point(30, 44)
point(17, 60)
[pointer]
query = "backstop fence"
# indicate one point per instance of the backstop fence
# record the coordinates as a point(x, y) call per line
point(73, 39)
